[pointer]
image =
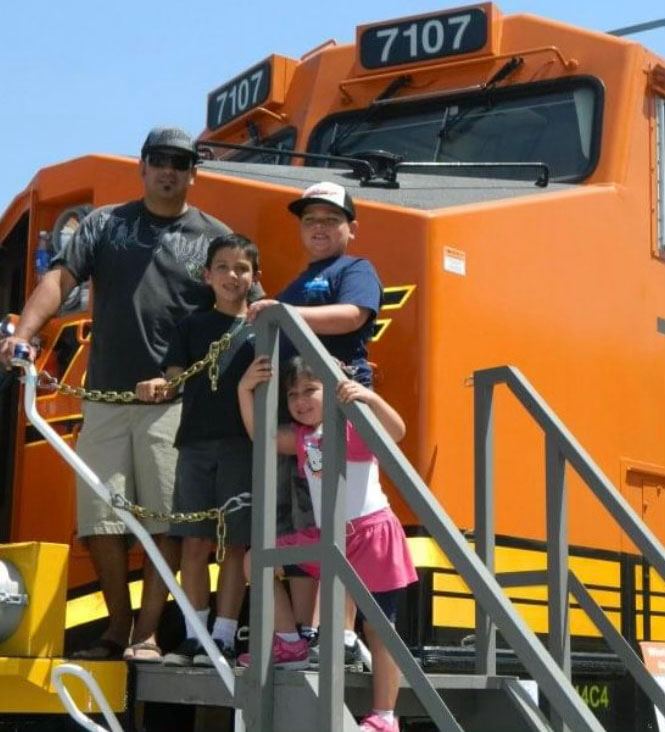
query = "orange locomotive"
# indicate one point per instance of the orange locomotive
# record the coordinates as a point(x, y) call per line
point(509, 180)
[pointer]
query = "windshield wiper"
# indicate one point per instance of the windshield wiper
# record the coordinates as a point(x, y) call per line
point(505, 71)
point(395, 85)
point(485, 90)
point(253, 132)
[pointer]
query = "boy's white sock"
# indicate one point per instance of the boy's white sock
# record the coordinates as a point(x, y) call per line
point(350, 637)
point(224, 629)
point(203, 617)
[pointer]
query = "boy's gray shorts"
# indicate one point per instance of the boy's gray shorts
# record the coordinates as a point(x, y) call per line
point(208, 473)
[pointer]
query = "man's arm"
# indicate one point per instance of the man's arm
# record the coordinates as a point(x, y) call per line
point(41, 306)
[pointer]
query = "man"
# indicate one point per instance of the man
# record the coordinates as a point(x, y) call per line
point(145, 259)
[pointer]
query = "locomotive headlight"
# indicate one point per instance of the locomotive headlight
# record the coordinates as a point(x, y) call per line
point(13, 598)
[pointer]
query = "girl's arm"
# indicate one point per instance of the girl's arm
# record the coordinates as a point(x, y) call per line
point(154, 390)
point(258, 372)
point(351, 391)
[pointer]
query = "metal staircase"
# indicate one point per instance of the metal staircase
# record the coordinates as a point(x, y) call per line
point(327, 701)
point(478, 703)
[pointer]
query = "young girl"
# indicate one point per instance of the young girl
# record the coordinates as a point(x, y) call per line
point(376, 545)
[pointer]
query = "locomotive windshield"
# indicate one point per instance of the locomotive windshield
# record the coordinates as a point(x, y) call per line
point(557, 123)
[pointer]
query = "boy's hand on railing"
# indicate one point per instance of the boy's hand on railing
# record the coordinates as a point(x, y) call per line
point(259, 371)
point(153, 390)
point(256, 307)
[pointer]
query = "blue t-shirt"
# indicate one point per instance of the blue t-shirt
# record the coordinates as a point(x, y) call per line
point(341, 280)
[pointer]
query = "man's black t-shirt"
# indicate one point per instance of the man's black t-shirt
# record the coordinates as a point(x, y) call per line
point(146, 275)
point(207, 414)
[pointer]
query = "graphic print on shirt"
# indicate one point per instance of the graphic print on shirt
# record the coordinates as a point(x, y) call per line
point(313, 453)
point(189, 252)
point(318, 285)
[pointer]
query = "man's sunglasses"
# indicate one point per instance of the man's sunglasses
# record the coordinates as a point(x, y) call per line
point(170, 160)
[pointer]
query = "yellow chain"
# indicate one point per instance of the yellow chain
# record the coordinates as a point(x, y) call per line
point(95, 395)
point(178, 517)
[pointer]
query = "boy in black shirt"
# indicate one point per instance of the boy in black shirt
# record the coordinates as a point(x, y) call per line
point(214, 451)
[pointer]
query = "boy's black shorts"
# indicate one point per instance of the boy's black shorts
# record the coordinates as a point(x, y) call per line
point(208, 473)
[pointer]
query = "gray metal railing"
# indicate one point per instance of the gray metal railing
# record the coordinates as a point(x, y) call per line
point(220, 664)
point(560, 447)
point(497, 610)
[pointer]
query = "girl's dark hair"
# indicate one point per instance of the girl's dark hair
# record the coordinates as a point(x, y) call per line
point(234, 241)
point(294, 369)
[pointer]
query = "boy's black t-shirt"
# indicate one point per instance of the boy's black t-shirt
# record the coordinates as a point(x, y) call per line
point(207, 414)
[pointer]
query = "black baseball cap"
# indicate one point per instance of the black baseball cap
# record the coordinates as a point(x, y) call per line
point(171, 138)
point(331, 194)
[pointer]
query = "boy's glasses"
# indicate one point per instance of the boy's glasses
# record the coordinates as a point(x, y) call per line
point(169, 160)
point(328, 222)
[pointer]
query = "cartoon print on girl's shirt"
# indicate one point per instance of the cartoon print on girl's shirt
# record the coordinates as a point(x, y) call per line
point(313, 453)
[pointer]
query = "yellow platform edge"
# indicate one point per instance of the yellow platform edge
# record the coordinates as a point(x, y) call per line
point(27, 688)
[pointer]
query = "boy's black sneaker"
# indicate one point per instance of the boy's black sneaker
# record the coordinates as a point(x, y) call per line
point(203, 659)
point(184, 654)
point(312, 638)
point(352, 657)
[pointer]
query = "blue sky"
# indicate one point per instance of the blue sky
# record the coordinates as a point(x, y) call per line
point(81, 77)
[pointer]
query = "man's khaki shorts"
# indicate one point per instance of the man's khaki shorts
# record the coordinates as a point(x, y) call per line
point(130, 448)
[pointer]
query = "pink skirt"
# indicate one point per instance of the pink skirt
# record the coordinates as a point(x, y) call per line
point(375, 547)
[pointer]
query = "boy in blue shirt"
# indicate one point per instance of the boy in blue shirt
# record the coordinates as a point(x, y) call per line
point(339, 297)
point(214, 450)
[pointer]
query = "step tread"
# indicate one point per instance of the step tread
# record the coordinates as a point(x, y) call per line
point(192, 685)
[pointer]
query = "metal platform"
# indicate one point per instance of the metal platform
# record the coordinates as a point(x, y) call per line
point(479, 703)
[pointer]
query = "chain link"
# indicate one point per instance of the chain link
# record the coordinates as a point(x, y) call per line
point(235, 503)
point(211, 360)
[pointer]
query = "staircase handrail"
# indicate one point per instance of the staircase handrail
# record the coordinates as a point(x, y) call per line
point(488, 593)
point(30, 380)
point(560, 447)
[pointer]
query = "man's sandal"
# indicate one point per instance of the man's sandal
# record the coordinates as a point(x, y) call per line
point(143, 652)
point(103, 649)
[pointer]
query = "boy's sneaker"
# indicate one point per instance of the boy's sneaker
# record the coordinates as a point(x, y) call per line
point(285, 655)
point(352, 656)
point(353, 660)
point(312, 638)
point(374, 723)
point(184, 654)
point(203, 659)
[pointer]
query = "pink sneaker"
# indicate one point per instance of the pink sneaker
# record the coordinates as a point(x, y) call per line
point(374, 723)
point(284, 654)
